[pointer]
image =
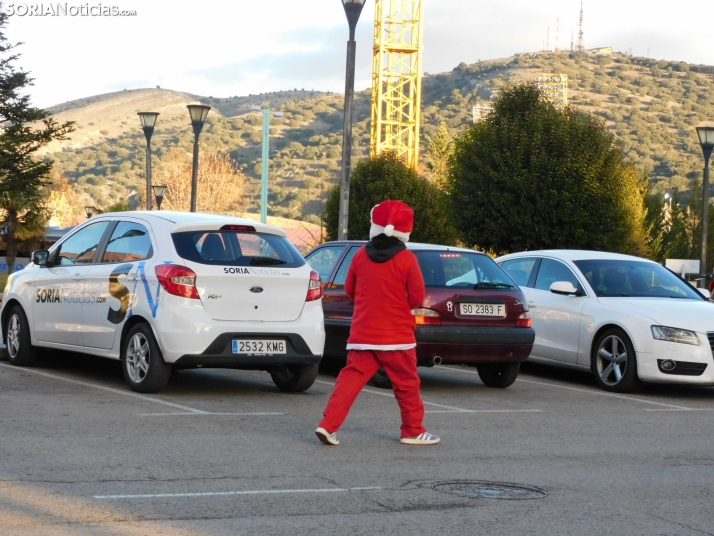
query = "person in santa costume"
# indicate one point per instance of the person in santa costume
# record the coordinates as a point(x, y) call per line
point(385, 283)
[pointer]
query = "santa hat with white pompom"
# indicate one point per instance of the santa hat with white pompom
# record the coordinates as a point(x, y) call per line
point(393, 218)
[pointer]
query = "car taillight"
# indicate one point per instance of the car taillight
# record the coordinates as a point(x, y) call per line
point(177, 280)
point(426, 316)
point(314, 291)
point(524, 321)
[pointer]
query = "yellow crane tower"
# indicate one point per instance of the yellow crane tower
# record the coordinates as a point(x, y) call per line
point(396, 79)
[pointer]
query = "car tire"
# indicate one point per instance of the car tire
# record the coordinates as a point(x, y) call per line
point(142, 362)
point(295, 378)
point(20, 351)
point(381, 380)
point(499, 375)
point(614, 370)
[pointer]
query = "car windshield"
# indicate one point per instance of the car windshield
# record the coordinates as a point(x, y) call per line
point(237, 248)
point(640, 279)
point(452, 269)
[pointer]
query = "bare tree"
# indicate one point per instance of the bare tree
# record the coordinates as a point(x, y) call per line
point(63, 204)
point(220, 182)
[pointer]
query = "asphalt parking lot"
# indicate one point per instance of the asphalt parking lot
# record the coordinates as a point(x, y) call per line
point(225, 452)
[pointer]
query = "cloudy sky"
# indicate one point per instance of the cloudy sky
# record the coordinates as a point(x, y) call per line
point(223, 48)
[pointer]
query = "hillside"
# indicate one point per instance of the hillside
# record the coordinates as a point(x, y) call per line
point(650, 106)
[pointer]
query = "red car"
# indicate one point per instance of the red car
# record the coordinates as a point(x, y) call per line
point(473, 314)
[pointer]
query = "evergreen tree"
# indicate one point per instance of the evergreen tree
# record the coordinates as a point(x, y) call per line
point(530, 176)
point(26, 130)
point(387, 177)
point(439, 149)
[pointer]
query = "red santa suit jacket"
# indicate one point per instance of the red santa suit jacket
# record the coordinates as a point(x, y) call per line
point(384, 291)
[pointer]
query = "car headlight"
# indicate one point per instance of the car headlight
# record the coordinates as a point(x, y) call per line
point(684, 336)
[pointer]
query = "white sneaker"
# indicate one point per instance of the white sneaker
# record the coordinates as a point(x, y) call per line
point(326, 437)
point(422, 439)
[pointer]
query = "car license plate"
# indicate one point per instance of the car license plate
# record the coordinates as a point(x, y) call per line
point(483, 309)
point(258, 346)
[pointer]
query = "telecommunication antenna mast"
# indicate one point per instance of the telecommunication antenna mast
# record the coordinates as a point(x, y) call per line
point(557, 35)
point(547, 40)
point(396, 79)
point(581, 41)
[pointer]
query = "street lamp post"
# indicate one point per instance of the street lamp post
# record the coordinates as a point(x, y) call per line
point(265, 162)
point(148, 121)
point(353, 9)
point(706, 139)
point(159, 192)
point(198, 113)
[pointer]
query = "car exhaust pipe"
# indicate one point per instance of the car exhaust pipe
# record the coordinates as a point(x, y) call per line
point(436, 360)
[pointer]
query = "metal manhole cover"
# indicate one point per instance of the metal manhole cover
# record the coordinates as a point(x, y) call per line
point(489, 490)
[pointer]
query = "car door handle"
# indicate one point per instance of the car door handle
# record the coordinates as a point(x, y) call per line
point(531, 305)
point(133, 278)
point(77, 277)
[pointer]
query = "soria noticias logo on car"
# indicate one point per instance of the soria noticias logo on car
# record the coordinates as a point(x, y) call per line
point(64, 9)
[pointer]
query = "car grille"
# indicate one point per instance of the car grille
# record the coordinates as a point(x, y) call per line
point(710, 336)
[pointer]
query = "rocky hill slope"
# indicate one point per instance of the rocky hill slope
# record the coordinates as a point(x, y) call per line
point(650, 106)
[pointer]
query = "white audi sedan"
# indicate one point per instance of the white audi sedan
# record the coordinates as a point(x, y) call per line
point(629, 320)
point(161, 290)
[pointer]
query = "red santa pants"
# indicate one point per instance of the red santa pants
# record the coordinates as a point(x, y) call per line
point(400, 366)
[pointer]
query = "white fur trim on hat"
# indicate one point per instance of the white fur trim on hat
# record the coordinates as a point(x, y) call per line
point(375, 230)
point(404, 237)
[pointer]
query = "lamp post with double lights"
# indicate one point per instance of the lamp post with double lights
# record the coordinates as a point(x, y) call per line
point(353, 9)
point(706, 140)
point(148, 121)
point(198, 113)
point(159, 192)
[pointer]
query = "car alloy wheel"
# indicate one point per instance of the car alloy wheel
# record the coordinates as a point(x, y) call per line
point(611, 360)
point(142, 362)
point(138, 356)
point(13, 336)
point(614, 362)
point(20, 351)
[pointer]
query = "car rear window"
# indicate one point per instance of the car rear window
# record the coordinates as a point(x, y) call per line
point(237, 248)
point(451, 269)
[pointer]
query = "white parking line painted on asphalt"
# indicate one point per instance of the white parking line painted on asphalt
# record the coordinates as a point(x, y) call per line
point(107, 389)
point(589, 391)
point(224, 493)
point(205, 413)
point(489, 411)
point(683, 409)
point(452, 409)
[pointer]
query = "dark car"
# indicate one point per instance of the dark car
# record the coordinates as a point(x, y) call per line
point(473, 313)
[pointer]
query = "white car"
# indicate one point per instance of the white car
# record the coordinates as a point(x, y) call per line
point(170, 289)
point(625, 318)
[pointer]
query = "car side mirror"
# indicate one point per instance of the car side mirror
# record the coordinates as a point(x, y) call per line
point(565, 288)
point(41, 257)
point(705, 292)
